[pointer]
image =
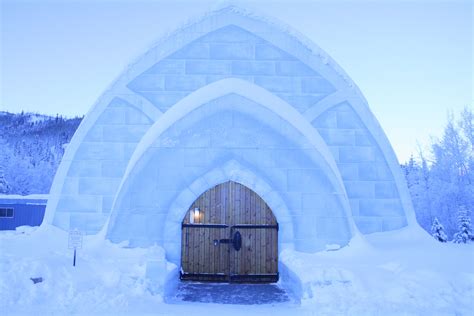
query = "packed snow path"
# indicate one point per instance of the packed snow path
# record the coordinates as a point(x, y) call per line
point(225, 293)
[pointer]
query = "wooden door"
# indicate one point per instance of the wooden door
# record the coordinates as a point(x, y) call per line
point(200, 259)
point(233, 237)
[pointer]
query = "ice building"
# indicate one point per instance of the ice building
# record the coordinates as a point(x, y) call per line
point(228, 141)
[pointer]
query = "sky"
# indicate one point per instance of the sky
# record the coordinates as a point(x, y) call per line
point(412, 60)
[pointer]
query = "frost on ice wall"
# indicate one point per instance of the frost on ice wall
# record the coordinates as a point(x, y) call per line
point(231, 96)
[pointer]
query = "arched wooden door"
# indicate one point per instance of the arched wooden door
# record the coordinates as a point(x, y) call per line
point(229, 234)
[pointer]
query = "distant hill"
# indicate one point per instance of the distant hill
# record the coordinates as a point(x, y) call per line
point(31, 148)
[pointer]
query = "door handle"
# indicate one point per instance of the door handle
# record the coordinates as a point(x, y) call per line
point(236, 241)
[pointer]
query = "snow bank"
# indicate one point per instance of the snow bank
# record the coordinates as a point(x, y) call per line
point(400, 272)
point(107, 276)
point(390, 273)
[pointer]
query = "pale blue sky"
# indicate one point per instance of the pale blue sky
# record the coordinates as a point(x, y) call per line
point(413, 60)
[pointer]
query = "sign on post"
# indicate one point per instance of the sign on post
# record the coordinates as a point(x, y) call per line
point(75, 242)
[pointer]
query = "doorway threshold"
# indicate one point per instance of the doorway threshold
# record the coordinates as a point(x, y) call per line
point(229, 293)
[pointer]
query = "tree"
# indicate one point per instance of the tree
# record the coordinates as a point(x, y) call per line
point(437, 231)
point(419, 183)
point(4, 187)
point(442, 180)
point(464, 234)
point(31, 153)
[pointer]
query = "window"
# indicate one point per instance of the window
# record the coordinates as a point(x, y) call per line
point(6, 212)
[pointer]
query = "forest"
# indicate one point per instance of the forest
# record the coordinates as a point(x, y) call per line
point(31, 148)
point(440, 179)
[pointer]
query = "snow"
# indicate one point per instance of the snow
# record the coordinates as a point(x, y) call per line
point(391, 273)
point(404, 271)
point(24, 197)
point(36, 118)
point(31, 199)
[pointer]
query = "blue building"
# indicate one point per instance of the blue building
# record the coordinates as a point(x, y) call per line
point(19, 211)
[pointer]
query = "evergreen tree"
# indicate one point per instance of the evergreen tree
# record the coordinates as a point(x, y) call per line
point(442, 180)
point(4, 187)
point(437, 231)
point(464, 234)
point(31, 150)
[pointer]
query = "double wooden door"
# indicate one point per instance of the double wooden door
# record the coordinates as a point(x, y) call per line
point(229, 234)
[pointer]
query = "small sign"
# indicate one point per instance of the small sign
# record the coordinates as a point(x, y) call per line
point(75, 239)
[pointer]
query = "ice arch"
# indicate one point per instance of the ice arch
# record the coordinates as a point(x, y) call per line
point(286, 156)
point(233, 43)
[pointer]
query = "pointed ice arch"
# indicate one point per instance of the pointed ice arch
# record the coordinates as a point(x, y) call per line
point(238, 121)
point(263, 54)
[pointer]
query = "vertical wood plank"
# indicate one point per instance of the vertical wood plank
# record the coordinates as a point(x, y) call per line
point(210, 232)
point(225, 207)
point(270, 250)
point(202, 241)
point(193, 256)
point(242, 221)
point(252, 231)
point(266, 241)
point(248, 220)
point(247, 206)
point(207, 248)
point(221, 215)
point(213, 211)
point(198, 243)
point(188, 250)
point(268, 253)
point(184, 257)
point(276, 251)
point(269, 244)
point(190, 247)
point(210, 236)
point(228, 213)
point(259, 235)
point(258, 246)
point(237, 210)
point(233, 253)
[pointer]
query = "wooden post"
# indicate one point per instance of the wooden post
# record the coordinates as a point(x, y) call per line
point(74, 261)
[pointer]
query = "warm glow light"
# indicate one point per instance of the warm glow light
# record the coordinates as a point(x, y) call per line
point(196, 214)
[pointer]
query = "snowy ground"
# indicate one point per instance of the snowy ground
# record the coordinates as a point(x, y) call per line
point(397, 273)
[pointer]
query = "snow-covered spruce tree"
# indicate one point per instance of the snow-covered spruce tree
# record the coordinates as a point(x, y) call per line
point(442, 180)
point(31, 148)
point(420, 184)
point(464, 234)
point(4, 187)
point(437, 231)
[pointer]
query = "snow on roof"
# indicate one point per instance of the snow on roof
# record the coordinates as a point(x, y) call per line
point(32, 199)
